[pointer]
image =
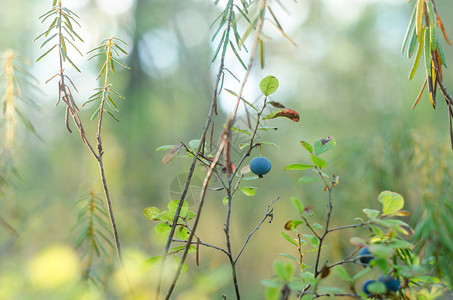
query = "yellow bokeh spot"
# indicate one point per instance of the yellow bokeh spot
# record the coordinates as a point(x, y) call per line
point(54, 267)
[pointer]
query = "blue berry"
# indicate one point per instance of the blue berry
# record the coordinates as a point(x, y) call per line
point(260, 166)
point(392, 284)
point(365, 255)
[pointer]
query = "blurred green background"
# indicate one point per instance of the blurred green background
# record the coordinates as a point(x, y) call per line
point(346, 77)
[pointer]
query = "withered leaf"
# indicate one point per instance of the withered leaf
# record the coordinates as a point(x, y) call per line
point(171, 154)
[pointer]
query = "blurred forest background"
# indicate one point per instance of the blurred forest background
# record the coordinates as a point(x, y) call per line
point(346, 77)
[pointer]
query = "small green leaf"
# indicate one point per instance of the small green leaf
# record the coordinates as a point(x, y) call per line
point(248, 191)
point(288, 256)
point(324, 145)
point(371, 213)
point(242, 98)
point(268, 143)
point(342, 273)
point(305, 179)
point(297, 204)
point(240, 130)
point(47, 52)
point(409, 28)
point(184, 266)
point(279, 270)
point(391, 202)
point(377, 288)
point(288, 238)
point(194, 144)
point(162, 228)
point(269, 85)
point(153, 260)
point(297, 167)
point(381, 251)
point(165, 147)
point(173, 206)
point(307, 146)
point(320, 163)
point(151, 213)
point(182, 233)
point(361, 274)
point(417, 57)
point(225, 200)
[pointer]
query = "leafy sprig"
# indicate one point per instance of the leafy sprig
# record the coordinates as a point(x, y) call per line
point(391, 254)
point(94, 232)
point(109, 48)
point(421, 37)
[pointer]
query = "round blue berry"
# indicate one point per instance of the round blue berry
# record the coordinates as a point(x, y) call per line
point(365, 255)
point(392, 284)
point(260, 166)
point(365, 286)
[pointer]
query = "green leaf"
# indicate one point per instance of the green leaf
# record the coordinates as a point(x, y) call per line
point(377, 288)
point(47, 52)
point(324, 145)
point(412, 43)
point(417, 57)
point(48, 40)
point(381, 251)
point(391, 202)
point(297, 167)
point(245, 101)
point(272, 293)
point(173, 206)
point(371, 213)
point(239, 130)
point(184, 266)
point(288, 238)
point(342, 273)
point(279, 270)
point(162, 228)
point(441, 52)
point(307, 146)
point(153, 260)
point(182, 233)
point(268, 85)
point(151, 213)
point(400, 244)
point(297, 204)
point(268, 143)
point(308, 277)
point(288, 256)
point(361, 274)
point(165, 147)
point(248, 191)
point(320, 163)
point(427, 51)
point(409, 28)
point(194, 144)
point(305, 179)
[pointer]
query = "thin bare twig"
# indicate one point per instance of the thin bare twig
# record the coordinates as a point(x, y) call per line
point(267, 214)
point(202, 243)
point(8, 227)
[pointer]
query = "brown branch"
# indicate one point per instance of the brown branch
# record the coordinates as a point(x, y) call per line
point(220, 150)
